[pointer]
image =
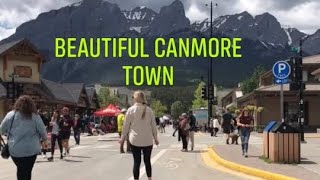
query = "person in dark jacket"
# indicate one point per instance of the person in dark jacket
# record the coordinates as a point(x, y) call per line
point(66, 129)
point(46, 124)
point(192, 123)
point(77, 128)
point(226, 124)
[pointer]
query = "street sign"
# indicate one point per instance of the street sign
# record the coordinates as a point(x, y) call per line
point(281, 70)
point(281, 81)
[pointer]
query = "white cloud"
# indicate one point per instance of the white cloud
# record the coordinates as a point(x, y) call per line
point(302, 14)
point(15, 12)
point(253, 6)
point(4, 33)
point(304, 17)
point(194, 13)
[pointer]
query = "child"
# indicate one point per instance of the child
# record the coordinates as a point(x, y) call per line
point(216, 126)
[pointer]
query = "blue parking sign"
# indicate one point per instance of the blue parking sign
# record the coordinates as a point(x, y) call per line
point(281, 70)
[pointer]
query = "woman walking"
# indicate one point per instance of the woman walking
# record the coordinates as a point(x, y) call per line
point(66, 129)
point(140, 126)
point(184, 128)
point(56, 124)
point(24, 129)
point(245, 122)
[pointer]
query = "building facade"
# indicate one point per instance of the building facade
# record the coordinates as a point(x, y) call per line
point(267, 95)
point(20, 64)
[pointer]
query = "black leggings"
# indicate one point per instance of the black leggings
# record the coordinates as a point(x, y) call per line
point(184, 141)
point(136, 152)
point(55, 138)
point(77, 135)
point(24, 166)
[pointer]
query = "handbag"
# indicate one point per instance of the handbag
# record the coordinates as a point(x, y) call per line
point(5, 154)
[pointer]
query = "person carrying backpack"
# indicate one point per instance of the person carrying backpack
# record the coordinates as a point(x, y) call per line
point(184, 129)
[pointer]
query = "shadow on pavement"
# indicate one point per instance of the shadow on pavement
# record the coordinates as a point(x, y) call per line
point(108, 139)
point(307, 162)
point(198, 151)
point(44, 162)
point(85, 157)
point(250, 156)
point(72, 161)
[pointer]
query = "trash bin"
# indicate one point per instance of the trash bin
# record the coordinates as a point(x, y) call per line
point(284, 144)
point(265, 135)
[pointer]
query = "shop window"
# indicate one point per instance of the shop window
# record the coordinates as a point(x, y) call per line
point(291, 110)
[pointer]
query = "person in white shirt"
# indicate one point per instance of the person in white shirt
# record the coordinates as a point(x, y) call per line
point(162, 124)
point(216, 126)
point(140, 126)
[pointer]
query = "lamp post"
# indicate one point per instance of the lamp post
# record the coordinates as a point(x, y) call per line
point(210, 75)
point(13, 86)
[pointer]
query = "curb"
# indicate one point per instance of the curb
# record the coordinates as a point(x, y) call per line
point(245, 169)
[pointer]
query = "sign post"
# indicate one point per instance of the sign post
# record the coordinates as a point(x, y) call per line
point(281, 71)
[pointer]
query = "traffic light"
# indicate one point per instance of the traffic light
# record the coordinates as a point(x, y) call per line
point(296, 75)
point(10, 87)
point(19, 90)
point(204, 92)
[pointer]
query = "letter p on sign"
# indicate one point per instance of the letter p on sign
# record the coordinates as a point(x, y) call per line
point(282, 67)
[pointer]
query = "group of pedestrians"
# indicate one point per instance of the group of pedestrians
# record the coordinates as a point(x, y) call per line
point(233, 127)
point(27, 134)
point(186, 127)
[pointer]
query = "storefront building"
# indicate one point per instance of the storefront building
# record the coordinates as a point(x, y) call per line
point(20, 60)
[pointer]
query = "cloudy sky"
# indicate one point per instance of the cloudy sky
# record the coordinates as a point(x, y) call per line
point(302, 14)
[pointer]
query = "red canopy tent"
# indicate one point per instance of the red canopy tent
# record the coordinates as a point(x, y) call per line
point(111, 110)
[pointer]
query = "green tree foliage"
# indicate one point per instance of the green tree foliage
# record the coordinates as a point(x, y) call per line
point(177, 109)
point(252, 83)
point(168, 95)
point(158, 108)
point(198, 102)
point(105, 98)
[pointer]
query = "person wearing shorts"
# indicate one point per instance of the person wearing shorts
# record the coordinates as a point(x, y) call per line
point(226, 124)
point(66, 129)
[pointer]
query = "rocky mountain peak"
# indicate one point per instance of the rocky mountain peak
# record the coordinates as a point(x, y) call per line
point(170, 18)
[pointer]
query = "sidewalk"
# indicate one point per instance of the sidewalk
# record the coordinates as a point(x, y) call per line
point(308, 169)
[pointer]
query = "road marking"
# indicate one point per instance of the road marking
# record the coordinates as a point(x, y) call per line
point(153, 160)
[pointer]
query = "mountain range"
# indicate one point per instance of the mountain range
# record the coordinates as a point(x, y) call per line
point(264, 40)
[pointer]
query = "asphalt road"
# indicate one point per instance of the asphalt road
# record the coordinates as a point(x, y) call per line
point(99, 158)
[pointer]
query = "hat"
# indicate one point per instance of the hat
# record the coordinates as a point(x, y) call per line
point(184, 115)
point(123, 110)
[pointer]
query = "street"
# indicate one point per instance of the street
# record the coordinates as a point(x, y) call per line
point(98, 157)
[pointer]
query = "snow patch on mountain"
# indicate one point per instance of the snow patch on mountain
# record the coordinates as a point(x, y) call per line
point(240, 17)
point(221, 22)
point(136, 28)
point(289, 36)
point(76, 4)
point(263, 44)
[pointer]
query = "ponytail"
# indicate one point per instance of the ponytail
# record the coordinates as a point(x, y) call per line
point(144, 110)
point(138, 97)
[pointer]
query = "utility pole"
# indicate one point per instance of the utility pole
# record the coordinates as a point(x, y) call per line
point(301, 98)
point(210, 86)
